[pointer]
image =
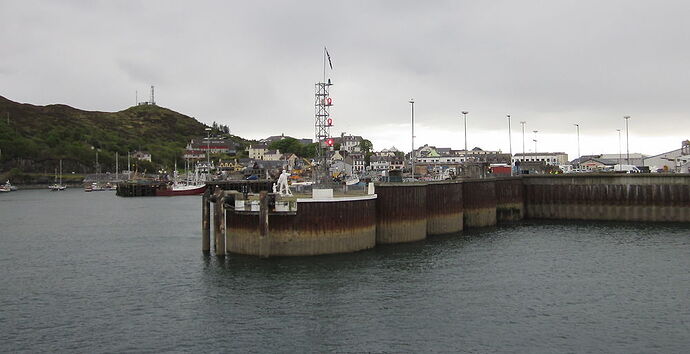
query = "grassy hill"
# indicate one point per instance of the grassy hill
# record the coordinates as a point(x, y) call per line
point(34, 138)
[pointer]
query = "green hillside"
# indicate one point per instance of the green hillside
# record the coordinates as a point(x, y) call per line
point(34, 138)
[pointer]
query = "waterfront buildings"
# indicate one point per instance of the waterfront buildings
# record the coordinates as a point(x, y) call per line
point(548, 158)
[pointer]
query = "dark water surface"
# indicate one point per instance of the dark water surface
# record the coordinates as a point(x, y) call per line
point(91, 272)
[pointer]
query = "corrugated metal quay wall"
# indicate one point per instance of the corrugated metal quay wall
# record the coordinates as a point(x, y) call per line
point(629, 197)
point(401, 212)
point(406, 212)
point(316, 228)
point(479, 201)
point(510, 199)
point(444, 207)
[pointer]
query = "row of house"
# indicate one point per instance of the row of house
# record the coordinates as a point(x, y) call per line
point(351, 159)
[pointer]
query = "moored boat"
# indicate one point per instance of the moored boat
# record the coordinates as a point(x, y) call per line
point(193, 184)
point(7, 187)
point(179, 189)
point(57, 186)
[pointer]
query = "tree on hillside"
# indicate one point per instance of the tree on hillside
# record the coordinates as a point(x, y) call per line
point(366, 146)
point(309, 150)
point(287, 145)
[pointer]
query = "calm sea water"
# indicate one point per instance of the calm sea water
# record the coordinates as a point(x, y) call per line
point(92, 272)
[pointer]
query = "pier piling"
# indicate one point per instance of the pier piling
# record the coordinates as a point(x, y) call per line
point(218, 219)
point(205, 224)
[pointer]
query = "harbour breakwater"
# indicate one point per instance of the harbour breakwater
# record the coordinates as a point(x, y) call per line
point(407, 212)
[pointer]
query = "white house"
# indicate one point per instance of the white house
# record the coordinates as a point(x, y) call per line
point(350, 143)
point(549, 158)
point(272, 155)
point(257, 152)
point(358, 163)
point(380, 163)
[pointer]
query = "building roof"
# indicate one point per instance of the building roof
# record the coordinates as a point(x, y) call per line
point(607, 162)
point(539, 153)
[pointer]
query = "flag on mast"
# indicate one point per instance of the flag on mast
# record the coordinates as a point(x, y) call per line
point(329, 58)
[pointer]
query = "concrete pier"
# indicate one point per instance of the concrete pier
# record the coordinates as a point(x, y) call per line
point(406, 212)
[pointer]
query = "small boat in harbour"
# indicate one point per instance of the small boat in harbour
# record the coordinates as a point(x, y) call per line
point(93, 187)
point(57, 186)
point(180, 189)
point(7, 187)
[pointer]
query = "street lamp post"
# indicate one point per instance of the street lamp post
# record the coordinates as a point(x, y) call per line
point(619, 147)
point(577, 127)
point(535, 141)
point(412, 154)
point(522, 123)
point(510, 145)
point(627, 140)
point(464, 116)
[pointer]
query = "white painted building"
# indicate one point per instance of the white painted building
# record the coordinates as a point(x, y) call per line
point(358, 163)
point(257, 152)
point(549, 158)
point(380, 163)
point(350, 143)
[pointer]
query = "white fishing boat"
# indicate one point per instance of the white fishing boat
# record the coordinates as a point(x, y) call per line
point(193, 184)
point(7, 187)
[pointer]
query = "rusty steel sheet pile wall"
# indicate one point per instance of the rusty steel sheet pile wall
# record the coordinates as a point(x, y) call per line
point(401, 212)
point(643, 197)
point(479, 201)
point(444, 207)
point(316, 228)
point(510, 202)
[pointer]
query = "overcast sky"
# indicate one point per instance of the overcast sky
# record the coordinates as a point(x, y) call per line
point(252, 65)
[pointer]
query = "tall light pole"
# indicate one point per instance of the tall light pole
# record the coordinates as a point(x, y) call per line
point(510, 145)
point(619, 147)
point(208, 149)
point(464, 115)
point(523, 139)
point(412, 154)
point(577, 127)
point(627, 140)
point(535, 141)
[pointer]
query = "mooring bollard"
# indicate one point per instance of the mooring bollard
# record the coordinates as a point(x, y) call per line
point(264, 241)
point(205, 224)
